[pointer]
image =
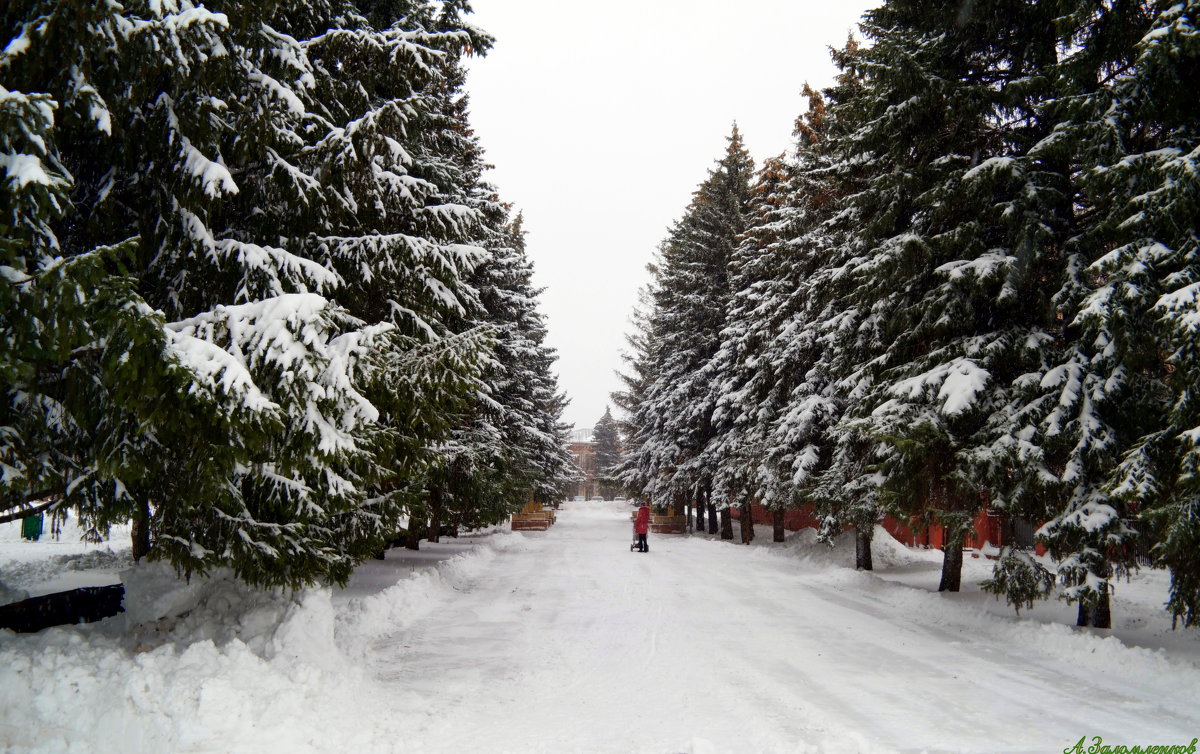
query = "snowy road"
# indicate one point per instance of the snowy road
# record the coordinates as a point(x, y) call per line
point(579, 645)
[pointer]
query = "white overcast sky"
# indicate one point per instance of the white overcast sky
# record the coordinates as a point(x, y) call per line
point(602, 118)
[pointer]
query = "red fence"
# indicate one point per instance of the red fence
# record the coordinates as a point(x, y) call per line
point(987, 528)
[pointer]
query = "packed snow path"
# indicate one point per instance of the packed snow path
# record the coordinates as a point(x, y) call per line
point(578, 644)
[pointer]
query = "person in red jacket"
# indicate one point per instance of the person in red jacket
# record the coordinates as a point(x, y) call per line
point(641, 525)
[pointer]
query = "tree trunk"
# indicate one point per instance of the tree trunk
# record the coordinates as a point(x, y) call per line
point(700, 512)
point(726, 524)
point(778, 533)
point(712, 510)
point(862, 549)
point(141, 531)
point(435, 514)
point(952, 559)
point(747, 522)
point(1096, 616)
point(1102, 612)
point(412, 541)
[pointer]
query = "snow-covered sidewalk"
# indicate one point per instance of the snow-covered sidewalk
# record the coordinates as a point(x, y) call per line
point(566, 641)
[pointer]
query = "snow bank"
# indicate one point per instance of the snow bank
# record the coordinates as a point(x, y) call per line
point(11, 594)
point(1096, 654)
point(905, 579)
point(207, 665)
point(211, 665)
point(396, 608)
point(886, 551)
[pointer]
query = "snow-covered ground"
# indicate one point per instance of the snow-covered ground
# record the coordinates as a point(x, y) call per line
point(565, 641)
point(29, 569)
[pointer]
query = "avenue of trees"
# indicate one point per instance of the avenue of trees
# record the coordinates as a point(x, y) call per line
point(972, 282)
point(256, 297)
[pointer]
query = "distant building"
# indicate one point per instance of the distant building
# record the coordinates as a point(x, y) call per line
point(583, 447)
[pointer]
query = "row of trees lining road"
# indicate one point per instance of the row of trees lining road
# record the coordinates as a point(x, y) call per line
point(257, 298)
point(973, 282)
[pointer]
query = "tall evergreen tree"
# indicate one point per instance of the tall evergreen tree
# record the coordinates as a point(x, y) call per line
point(227, 178)
point(736, 377)
point(1123, 389)
point(607, 438)
point(688, 314)
point(828, 335)
point(1096, 391)
point(774, 401)
point(632, 473)
point(1158, 185)
point(533, 428)
point(509, 444)
point(953, 265)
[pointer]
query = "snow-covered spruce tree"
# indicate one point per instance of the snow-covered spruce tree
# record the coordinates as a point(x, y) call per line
point(530, 459)
point(825, 335)
point(1161, 182)
point(1126, 389)
point(775, 401)
point(228, 410)
point(607, 437)
point(691, 298)
point(72, 326)
point(650, 459)
point(467, 482)
point(123, 413)
point(558, 465)
point(632, 472)
point(957, 256)
point(817, 337)
point(735, 373)
point(1099, 389)
point(510, 446)
point(741, 378)
point(405, 139)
